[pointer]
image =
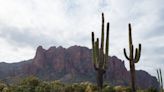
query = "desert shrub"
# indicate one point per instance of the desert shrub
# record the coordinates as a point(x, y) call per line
point(118, 88)
point(151, 90)
point(6, 89)
point(122, 89)
point(43, 87)
point(140, 90)
point(69, 88)
point(127, 89)
point(30, 81)
point(57, 86)
point(108, 89)
point(2, 85)
point(26, 85)
point(89, 87)
point(78, 88)
point(33, 84)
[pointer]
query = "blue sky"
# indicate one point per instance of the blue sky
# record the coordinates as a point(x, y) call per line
point(25, 24)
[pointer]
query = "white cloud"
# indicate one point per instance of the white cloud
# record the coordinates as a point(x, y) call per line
point(70, 22)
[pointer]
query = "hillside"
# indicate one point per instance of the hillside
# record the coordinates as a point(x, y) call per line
point(72, 65)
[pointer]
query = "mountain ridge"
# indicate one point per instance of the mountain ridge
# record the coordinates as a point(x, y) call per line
point(73, 64)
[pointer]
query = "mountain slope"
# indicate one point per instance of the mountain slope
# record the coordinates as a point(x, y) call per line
point(73, 64)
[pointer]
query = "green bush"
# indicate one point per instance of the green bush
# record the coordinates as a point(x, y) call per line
point(152, 90)
point(78, 88)
point(2, 85)
point(57, 86)
point(122, 89)
point(33, 84)
point(69, 88)
point(108, 89)
point(6, 89)
point(43, 87)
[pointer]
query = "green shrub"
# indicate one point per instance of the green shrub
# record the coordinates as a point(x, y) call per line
point(89, 88)
point(127, 89)
point(69, 88)
point(43, 87)
point(122, 89)
point(6, 89)
point(33, 84)
point(2, 85)
point(152, 90)
point(108, 89)
point(57, 86)
point(78, 88)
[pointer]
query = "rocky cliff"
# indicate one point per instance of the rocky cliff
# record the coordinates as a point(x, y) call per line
point(73, 64)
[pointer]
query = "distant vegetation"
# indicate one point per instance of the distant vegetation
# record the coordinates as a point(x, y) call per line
point(33, 84)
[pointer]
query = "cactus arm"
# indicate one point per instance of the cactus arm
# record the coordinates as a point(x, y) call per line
point(137, 56)
point(96, 62)
point(102, 44)
point(96, 58)
point(93, 49)
point(92, 39)
point(106, 47)
point(130, 35)
point(102, 33)
point(98, 52)
point(130, 43)
point(161, 79)
point(158, 76)
point(126, 55)
point(138, 53)
point(107, 40)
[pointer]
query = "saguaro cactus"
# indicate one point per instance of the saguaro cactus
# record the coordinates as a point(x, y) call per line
point(132, 58)
point(100, 55)
point(159, 74)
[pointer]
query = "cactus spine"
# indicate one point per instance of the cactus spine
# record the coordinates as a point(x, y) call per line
point(132, 58)
point(100, 57)
point(159, 74)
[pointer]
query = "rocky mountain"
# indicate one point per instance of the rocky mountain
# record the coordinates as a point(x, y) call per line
point(72, 64)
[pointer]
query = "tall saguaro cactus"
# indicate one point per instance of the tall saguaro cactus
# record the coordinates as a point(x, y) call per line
point(159, 75)
point(100, 55)
point(132, 58)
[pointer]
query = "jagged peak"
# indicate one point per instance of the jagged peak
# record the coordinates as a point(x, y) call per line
point(40, 48)
point(39, 52)
point(60, 47)
point(77, 47)
point(52, 48)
